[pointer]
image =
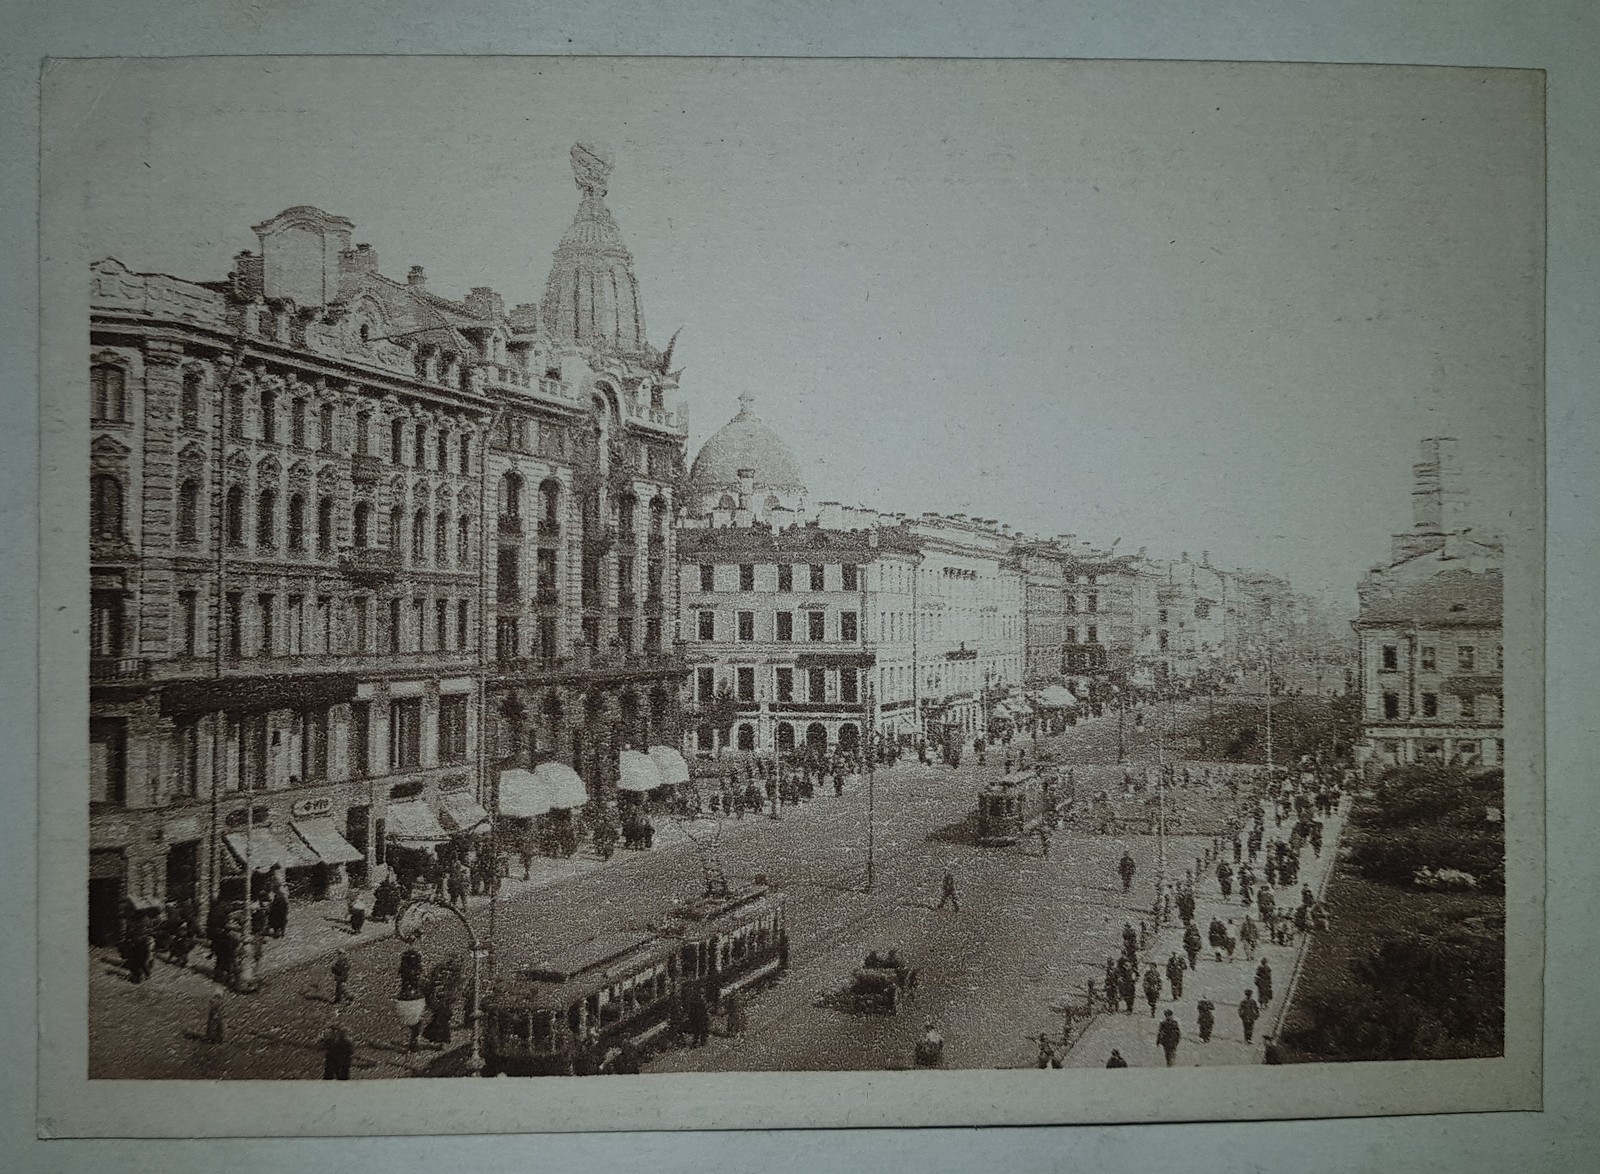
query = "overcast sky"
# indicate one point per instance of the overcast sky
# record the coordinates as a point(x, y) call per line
point(1190, 306)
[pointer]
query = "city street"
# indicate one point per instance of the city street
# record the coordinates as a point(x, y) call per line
point(1029, 931)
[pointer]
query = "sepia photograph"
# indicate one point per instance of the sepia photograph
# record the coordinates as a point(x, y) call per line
point(772, 582)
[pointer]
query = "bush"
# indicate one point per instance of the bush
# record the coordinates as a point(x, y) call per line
point(1393, 856)
point(1438, 993)
point(1426, 796)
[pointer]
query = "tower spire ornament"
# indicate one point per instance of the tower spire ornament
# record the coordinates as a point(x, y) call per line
point(591, 168)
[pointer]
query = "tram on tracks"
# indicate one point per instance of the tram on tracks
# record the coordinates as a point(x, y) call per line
point(1017, 805)
point(559, 1015)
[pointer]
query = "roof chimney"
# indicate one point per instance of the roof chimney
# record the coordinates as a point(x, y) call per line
point(417, 279)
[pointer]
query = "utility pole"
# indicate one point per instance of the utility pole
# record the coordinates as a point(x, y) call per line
point(872, 776)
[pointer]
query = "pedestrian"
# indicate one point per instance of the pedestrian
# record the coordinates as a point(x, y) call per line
point(1130, 941)
point(358, 911)
point(1191, 944)
point(699, 1016)
point(341, 975)
point(1186, 906)
point(1167, 1037)
point(1175, 969)
point(1047, 1053)
point(337, 1052)
point(1229, 941)
point(948, 894)
point(182, 943)
point(1268, 904)
point(1249, 936)
point(1127, 988)
point(1206, 1017)
point(1152, 988)
point(1116, 1060)
point(1216, 937)
point(214, 1025)
point(278, 913)
point(1249, 1012)
point(1264, 981)
point(1126, 868)
point(735, 1015)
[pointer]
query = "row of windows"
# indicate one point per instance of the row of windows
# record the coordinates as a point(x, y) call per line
point(848, 629)
point(246, 762)
point(845, 684)
point(267, 624)
point(1428, 658)
point(424, 447)
point(781, 577)
point(543, 636)
point(512, 489)
point(1468, 707)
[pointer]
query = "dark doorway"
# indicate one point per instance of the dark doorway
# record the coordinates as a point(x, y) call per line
point(108, 881)
point(848, 738)
point(817, 736)
point(356, 822)
point(183, 873)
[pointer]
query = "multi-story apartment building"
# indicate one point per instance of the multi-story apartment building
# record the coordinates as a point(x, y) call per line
point(586, 446)
point(1047, 570)
point(1430, 632)
point(291, 489)
point(970, 630)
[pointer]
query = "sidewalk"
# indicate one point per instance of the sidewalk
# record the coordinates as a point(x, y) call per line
point(1224, 983)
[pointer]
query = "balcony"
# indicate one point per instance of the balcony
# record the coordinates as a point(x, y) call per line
point(510, 525)
point(366, 470)
point(118, 668)
point(370, 564)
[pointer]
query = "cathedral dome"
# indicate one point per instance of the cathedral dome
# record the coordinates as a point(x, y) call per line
point(744, 442)
point(592, 295)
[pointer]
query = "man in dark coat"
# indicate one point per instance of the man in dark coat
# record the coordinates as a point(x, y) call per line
point(1126, 868)
point(1249, 1012)
point(1175, 969)
point(341, 976)
point(1191, 944)
point(1130, 941)
point(1264, 981)
point(338, 1050)
point(1127, 988)
point(947, 894)
point(1167, 1037)
point(278, 913)
point(1186, 906)
point(1116, 1060)
point(1206, 1017)
point(1152, 987)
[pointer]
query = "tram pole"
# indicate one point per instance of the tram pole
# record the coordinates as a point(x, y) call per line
point(872, 776)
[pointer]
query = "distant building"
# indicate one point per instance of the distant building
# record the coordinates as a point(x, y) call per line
point(1430, 632)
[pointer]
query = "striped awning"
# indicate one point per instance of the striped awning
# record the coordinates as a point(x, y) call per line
point(635, 772)
point(670, 764)
point(460, 811)
point(266, 849)
point(413, 823)
point(548, 787)
point(324, 839)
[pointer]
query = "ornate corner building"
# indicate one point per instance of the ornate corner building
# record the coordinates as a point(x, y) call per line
point(343, 531)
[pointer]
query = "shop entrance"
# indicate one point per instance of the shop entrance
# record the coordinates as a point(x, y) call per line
point(183, 873)
point(108, 882)
point(355, 831)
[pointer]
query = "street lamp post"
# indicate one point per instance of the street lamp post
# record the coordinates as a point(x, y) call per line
point(872, 775)
point(421, 907)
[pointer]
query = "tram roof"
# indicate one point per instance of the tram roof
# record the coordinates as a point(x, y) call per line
point(596, 952)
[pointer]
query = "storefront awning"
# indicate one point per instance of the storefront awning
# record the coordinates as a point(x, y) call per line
point(266, 849)
point(670, 764)
point(636, 772)
point(551, 785)
point(413, 824)
point(461, 812)
point(324, 839)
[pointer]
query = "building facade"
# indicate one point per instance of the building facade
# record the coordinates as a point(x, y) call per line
point(1430, 632)
point(297, 524)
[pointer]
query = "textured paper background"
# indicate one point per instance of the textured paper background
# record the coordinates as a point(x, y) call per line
point(1443, 32)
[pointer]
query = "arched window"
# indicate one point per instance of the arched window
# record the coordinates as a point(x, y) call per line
point(363, 434)
point(325, 526)
point(108, 393)
point(441, 537)
point(511, 495)
point(105, 506)
point(419, 536)
point(627, 511)
point(464, 452)
point(269, 417)
point(189, 404)
point(421, 447)
point(267, 519)
point(550, 503)
point(234, 511)
point(297, 523)
point(785, 736)
point(442, 454)
point(464, 539)
point(236, 412)
point(297, 423)
point(361, 523)
point(747, 736)
point(189, 512)
point(397, 439)
point(397, 521)
point(658, 518)
point(325, 428)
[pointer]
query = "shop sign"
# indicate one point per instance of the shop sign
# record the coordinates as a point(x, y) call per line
point(407, 790)
point(308, 807)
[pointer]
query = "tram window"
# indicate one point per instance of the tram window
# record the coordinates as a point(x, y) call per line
point(574, 1017)
point(592, 1004)
point(628, 1000)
